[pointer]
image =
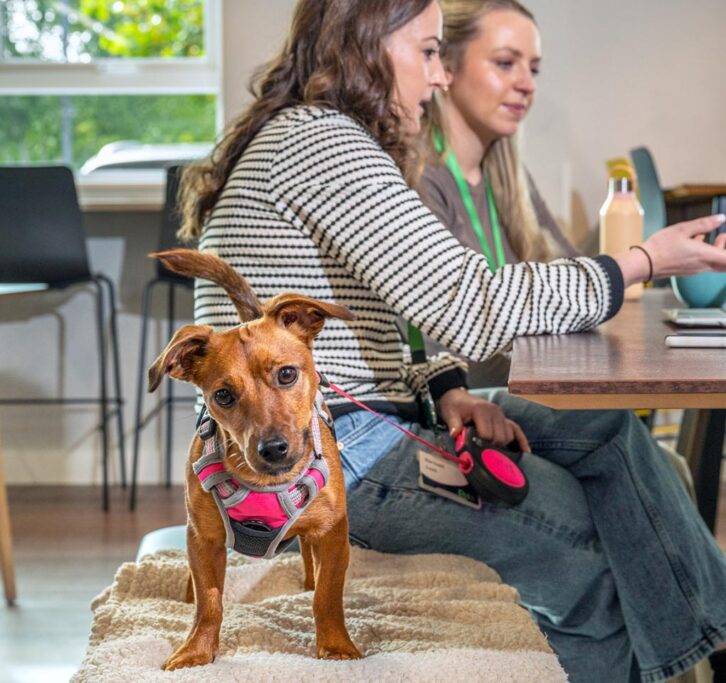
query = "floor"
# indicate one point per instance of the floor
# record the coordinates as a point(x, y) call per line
point(66, 552)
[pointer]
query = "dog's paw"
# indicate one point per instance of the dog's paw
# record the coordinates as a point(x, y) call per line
point(339, 651)
point(186, 657)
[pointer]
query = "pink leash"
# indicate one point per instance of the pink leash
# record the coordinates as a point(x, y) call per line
point(494, 475)
point(436, 449)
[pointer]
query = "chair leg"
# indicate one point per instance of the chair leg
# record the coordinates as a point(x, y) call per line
point(169, 392)
point(102, 388)
point(701, 441)
point(6, 542)
point(140, 382)
point(117, 377)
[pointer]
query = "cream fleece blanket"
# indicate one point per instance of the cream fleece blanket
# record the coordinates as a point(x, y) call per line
point(415, 618)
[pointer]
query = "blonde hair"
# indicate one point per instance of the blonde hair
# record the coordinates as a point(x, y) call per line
point(502, 164)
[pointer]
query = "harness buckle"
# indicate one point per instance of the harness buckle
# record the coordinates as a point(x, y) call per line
point(207, 429)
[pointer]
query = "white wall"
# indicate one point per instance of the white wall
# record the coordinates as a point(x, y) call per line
point(615, 75)
point(621, 74)
point(254, 31)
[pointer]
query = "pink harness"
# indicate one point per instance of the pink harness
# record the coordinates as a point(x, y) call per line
point(257, 518)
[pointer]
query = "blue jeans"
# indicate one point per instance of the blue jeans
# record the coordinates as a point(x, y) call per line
point(607, 551)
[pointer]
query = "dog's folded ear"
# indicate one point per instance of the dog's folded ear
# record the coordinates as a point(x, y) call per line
point(302, 315)
point(177, 359)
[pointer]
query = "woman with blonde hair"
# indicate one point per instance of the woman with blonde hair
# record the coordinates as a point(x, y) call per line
point(477, 186)
point(473, 152)
point(307, 192)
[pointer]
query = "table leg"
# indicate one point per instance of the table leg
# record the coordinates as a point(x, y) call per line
point(6, 541)
point(701, 441)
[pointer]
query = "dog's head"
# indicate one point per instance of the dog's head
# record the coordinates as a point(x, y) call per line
point(258, 379)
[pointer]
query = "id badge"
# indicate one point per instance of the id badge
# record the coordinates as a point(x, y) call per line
point(443, 478)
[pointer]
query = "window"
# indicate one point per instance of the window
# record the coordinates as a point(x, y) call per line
point(80, 31)
point(76, 75)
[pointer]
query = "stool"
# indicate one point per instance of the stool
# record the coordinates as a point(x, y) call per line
point(169, 227)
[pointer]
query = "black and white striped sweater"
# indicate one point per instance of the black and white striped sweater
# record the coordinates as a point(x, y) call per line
point(315, 206)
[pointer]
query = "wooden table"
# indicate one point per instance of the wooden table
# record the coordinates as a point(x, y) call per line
point(625, 364)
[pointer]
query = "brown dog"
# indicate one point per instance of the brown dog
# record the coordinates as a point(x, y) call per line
point(259, 385)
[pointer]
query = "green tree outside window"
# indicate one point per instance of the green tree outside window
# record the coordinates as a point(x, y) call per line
point(70, 129)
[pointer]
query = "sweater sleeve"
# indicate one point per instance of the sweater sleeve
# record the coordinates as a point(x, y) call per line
point(332, 179)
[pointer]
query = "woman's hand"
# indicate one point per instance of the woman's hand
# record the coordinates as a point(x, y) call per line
point(679, 249)
point(458, 407)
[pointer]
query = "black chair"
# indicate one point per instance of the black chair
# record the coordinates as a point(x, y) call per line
point(44, 247)
point(168, 240)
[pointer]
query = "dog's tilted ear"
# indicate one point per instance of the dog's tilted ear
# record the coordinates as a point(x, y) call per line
point(302, 315)
point(207, 266)
point(177, 359)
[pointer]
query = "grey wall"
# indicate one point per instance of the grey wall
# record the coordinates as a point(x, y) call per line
point(621, 74)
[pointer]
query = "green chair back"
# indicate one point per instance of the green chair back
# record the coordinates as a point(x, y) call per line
point(651, 194)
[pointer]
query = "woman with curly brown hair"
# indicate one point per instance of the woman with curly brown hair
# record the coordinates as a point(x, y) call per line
point(308, 192)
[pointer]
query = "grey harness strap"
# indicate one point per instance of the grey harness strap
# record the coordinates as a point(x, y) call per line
point(256, 519)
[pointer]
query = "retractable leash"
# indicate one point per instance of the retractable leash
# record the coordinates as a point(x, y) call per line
point(492, 471)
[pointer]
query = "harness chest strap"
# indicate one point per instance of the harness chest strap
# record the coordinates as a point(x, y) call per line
point(256, 519)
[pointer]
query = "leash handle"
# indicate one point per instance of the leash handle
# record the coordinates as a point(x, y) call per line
point(436, 449)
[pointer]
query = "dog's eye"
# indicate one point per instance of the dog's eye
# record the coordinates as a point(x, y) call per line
point(224, 397)
point(287, 376)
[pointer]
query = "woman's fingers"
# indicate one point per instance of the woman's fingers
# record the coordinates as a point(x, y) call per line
point(701, 226)
point(483, 424)
point(521, 437)
point(503, 432)
point(685, 248)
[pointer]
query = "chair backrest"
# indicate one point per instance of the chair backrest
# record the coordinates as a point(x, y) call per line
point(170, 222)
point(651, 193)
point(41, 227)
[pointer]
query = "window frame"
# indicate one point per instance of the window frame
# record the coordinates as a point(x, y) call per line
point(125, 76)
point(133, 76)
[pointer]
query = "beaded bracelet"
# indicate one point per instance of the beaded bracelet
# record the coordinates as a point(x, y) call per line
point(650, 262)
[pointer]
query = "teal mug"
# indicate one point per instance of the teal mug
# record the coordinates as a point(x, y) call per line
point(704, 290)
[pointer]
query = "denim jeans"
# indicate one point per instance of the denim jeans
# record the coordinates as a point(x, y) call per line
point(607, 551)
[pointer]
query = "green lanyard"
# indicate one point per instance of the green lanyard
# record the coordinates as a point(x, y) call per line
point(415, 338)
point(465, 193)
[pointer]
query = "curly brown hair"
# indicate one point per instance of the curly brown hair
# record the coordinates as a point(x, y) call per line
point(334, 57)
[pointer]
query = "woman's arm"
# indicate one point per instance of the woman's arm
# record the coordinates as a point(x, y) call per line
point(332, 179)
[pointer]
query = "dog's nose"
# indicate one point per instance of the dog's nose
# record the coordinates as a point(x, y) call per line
point(272, 450)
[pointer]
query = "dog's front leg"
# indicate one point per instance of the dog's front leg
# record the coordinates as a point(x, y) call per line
point(207, 561)
point(308, 567)
point(330, 555)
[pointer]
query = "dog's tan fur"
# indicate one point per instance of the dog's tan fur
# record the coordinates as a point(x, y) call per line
point(244, 360)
